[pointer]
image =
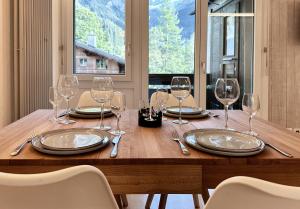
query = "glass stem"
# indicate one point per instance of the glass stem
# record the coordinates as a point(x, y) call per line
point(102, 113)
point(55, 112)
point(250, 124)
point(118, 120)
point(68, 109)
point(226, 116)
point(180, 106)
point(150, 113)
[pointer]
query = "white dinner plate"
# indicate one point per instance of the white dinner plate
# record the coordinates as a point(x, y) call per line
point(74, 114)
point(185, 110)
point(36, 144)
point(226, 140)
point(192, 142)
point(203, 114)
point(91, 110)
point(72, 139)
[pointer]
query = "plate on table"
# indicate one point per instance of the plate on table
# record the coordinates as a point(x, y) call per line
point(72, 139)
point(74, 114)
point(36, 144)
point(91, 110)
point(191, 140)
point(185, 110)
point(202, 114)
point(227, 140)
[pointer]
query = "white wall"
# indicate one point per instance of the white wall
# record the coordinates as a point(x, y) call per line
point(6, 61)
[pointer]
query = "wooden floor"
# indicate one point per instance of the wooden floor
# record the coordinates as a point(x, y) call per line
point(174, 202)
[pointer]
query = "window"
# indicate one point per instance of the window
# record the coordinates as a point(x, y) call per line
point(171, 36)
point(99, 31)
point(171, 41)
point(83, 62)
point(101, 64)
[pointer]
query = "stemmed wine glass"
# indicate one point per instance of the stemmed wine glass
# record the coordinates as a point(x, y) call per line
point(181, 89)
point(227, 91)
point(102, 92)
point(251, 105)
point(54, 99)
point(118, 106)
point(162, 96)
point(67, 87)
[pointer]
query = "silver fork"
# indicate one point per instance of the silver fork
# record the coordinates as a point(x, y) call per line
point(175, 137)
point(19, 148)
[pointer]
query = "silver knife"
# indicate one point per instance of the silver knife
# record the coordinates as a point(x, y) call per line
point(115, 141)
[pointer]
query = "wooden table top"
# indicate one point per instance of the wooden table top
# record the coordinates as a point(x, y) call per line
point(146, 145)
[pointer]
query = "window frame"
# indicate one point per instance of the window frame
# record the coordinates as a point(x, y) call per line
point(68, 43)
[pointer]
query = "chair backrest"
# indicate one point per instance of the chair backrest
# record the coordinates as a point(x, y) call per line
point(172, 101)
point(72, 188)
point(250, 193)
point(86, 100)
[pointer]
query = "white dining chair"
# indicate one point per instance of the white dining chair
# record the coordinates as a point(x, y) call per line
point(86, 100)
point(172, 101)
point(251, 193)
point(72, 188)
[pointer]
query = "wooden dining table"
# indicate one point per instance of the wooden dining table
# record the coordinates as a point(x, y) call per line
point(148, 162)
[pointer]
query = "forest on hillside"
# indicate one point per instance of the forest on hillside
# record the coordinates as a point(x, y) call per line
point(171, 37)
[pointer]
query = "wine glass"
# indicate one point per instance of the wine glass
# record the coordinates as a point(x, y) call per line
point(181, 89)
point(251, 105)
point(54, 99)
point(162, 97)
point(102, 92)
point(227, 91)
point(67, 87)
point(117, 107)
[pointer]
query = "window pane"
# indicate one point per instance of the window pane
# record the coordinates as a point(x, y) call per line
point(171, 36)
point(230, 46)
point(99, 39)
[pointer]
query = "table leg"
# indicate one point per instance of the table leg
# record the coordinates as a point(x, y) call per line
point(196, 201)
point(149, 201)
point(163, 201)
point(124, 200)
point(119, 200)
point(205, 194)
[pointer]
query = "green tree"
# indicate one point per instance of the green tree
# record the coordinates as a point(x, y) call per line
point(109, 36)
point(166, 48)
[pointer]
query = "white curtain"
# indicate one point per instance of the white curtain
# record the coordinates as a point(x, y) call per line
point(33, 44)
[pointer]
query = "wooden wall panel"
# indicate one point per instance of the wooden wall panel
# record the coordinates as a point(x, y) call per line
point(278, 37)
point(284, 91)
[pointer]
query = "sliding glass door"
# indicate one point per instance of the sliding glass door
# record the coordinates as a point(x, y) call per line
point(230, 46)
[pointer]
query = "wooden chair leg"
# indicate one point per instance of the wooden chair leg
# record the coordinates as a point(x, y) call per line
point(163, 201)
point(149, 201)
point(124, 200)
point(196, 201)
point(119, 200)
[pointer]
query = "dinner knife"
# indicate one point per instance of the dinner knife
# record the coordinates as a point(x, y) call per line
point(115, 141)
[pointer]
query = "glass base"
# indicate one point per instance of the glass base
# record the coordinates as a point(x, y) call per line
point(117, 132)
point(180, 122)
point(103, 128)
point(150, 119)
point(66, 122)
point(252, 133)
point(229, 129)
